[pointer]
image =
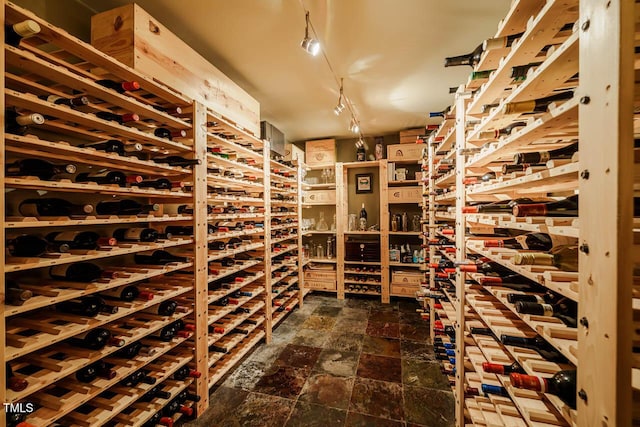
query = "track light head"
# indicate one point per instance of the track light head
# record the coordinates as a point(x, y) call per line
point(339, 108)
point(309, 44)
point(354, 126)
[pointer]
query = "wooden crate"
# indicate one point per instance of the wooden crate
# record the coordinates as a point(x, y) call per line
point(320, 275)
point(406, 278)
point(321, 285)
point(404, 290)
point(404, 151)
point(320, 197)
point(405, 194)
point(134, 37)
point(293, 153)
point(409, 136)
point(321, 152)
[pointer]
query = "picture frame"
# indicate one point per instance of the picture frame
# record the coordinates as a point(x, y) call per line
point(364, 183)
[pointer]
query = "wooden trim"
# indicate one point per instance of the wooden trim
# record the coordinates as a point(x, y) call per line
point(301, 292)
point(606, 147)
point(385, 286)
point(268, 297)
point(341, 225)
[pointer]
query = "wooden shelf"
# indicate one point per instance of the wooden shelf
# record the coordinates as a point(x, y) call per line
point(225, 363)
point(32, 222)
point(559, 226)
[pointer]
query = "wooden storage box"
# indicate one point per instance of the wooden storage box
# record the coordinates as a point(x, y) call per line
point(134, 37)
point(403, 290)
point(321, 152)
point(406, 278)
point(362, 250)
point(320, 197)
point(409, 136)
point(293, 153)
point(398, 152)
point(320, 275)
point(405, 194)
point(324, 285)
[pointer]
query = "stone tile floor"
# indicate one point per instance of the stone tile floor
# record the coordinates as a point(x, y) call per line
point(347, 363)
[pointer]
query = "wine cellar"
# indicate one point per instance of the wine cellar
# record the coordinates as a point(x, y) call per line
point(160, 240)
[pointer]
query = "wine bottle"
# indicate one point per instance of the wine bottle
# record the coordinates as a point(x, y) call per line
point(52, 207)
point(485, 267)
point(14, 295)
point(440, 113)
point(529, 241)
point(87, 306)
point(19, 124)
point(39, 168)
point(497, 133)
point(535, 106)
point(172, 110)
point(158, 419)
point(523, 167)
point(141, 376)
point(159, 257)
point(137, 234)
point(470, 59)
point(544, 156)
point(130, 351)
point(177, 161)
point(562, 384)
point(26, 245)
point(169, 134)
point(494, 368)
point(536, 343)
point(160, 184)
point(185, 372)
point(108, 177)
point(78, 272)
point(79, 240)
point(95, 339)
point(125, 207)
point(565, 310)
point(13, 382)
point(109, 146)
point(13, 34)
point(127, 293)
point(565, 207)
point(78, 101)
point(165, 334)
point(564, 257)
point(494, 389)
point(500, 42)
point(121, 87)
point(519, 72)
point(120, 118)
point(496, 207)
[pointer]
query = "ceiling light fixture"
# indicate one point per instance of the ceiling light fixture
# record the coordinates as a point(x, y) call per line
point(340, 107)
point(354, 126)
point(311, 45)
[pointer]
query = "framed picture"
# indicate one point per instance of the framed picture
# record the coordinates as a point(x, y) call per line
point(364, 183)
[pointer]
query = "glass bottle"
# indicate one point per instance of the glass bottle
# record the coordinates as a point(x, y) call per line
point(329, 248)
point(333, 224)
point(320, 251)
point(415, 223)
point(363, 219)
point(322, 224)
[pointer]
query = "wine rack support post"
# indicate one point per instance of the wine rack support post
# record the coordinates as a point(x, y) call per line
point(461, 98)
point(299, 240)
point(606, 180)
point(431, 188)
point(342, 213)
point(385, 282)
point(3, 391)
point(266, 179)
point(201, 253)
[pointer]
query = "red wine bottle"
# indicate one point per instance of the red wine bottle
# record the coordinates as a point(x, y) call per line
point(470, 59)
point(78, 101)
point(81, 240)
point(127, 293)
point(14, 295)
point(13, 34)
point(52, 207)
point(544, 156)
point(159, 257)
point(176, 161)
point(125, 207)
point(87, 306)
point(160, 184)
point(537, 105)
point(530, 241)
point(157, 419)
point(95, 339)
point(185, 372)
point(108, 177)
point(172, 110)
point(536, 343)
point(496, 207)
point(165, 308)
point(120, 118)
point(120, 87)
point(19, 124)
point(13, 382)
point(565, 310)
point(169, 134)
point(141, 376)
point(137, 234)
point(109, 146)
point(78, 272)
point(562, 384)
point(497, 133)
point(506, 169)
point(565, 207)
point(26, 245)
point(494, 368)
point(39, 168)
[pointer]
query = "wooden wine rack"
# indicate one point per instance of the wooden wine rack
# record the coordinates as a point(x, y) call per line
point(56, 63)
point(600, 116)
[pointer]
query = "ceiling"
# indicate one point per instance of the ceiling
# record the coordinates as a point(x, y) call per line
point(390, 53)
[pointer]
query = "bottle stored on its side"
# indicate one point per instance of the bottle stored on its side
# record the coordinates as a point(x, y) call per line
point(500, 42)
point(544, 156)
point(13, 34)
point(537, 105)
point(125, 207)
point(113, 146)
point(87, 306)
point(494, 389)
point(169, 134)
point(108, 177)
point(52, 207)
point(79, 240)
point(159, 257)
point(160, 184)
point(494, 368)
point(127, 293)
point(39, 168)
point(165, 308)
point(14, 295)
point(564, 309)
point(26, 245)
point(496, 207)
point(470, 59)
point(566, 207)
point(536, 343)
point(529, 241)
point(497, 133)
point(120, 118)
point(14, 382)
point(78, 272)
point(562, 384)
point(136, 234)
point(176, 161)
point(564, 257)
point(120, 87)
point(19, 124)
point(95, 339)
point(78, 101)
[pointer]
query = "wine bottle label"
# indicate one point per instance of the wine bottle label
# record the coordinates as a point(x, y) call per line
point(27, 28)
point(495, 43)
point(533, 259)
point(532, 209)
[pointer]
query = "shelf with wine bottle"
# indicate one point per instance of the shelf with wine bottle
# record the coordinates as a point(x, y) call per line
point(560, 226)
point(229, 161)
point(14, 222)
point(547, 28)
point(228, 345)
point(225, 129)
point(222, 308)
point(215, 255)
point(105, 407)
point(227, 361)
point(225, 325)
point(219, 293)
